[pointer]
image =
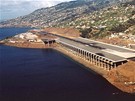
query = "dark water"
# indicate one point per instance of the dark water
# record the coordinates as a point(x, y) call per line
point(47, 75)
point(7, 32)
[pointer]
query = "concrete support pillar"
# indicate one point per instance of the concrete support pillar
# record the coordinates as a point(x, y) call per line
point(104, 64)
point(97, 61)
point(93, 58)
point(81, 53)
point(77, 52)
point(115, 65)
point(85, 55)
point(100, 62)
point(107, 65)
point(89, 57)
point(110, 65)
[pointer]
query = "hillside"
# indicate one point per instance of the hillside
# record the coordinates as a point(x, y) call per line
point(114, 24)
point(61, 13)
point(110, 21)
point(111, 18)
point(66, 32)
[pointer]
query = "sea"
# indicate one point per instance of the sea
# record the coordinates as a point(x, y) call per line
point(48, 75)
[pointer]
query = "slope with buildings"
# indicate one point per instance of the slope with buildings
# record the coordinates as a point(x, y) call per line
point(60, 13)
point(114, 24)
point(110, 21)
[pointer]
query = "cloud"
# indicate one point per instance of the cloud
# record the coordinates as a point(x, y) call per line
point(14, 8)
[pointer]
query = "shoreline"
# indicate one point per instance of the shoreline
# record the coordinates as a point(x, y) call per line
point(81, 61)
point(98, 70)
point(29, 45)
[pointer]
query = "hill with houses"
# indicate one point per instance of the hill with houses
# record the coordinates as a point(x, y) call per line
point(111, 21)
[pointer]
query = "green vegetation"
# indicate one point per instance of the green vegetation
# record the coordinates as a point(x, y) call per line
point(85, 33)
point(124, 26)
point(113, 19)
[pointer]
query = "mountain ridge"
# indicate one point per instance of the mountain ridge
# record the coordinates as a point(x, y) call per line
point(66, 11)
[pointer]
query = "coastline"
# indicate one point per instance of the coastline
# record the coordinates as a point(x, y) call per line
point(56, 47)
point(100, 71)
point(28, 45)
point(105, 74)
point(86, 64)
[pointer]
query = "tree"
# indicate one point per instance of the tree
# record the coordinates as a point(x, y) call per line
point(85, 33)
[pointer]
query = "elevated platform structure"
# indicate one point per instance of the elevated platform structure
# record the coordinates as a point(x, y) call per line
point(100, 54)
point(111, 49)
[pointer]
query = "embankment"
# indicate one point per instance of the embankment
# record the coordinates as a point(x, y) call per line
point(66, 32)
point(120, 77)
point(80, 60)
point(123, 77)
point(30, 45)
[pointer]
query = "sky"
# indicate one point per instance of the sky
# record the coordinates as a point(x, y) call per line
point(13, 8)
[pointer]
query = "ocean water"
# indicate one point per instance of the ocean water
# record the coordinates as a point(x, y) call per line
point(8, 32)
point(47, 75)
